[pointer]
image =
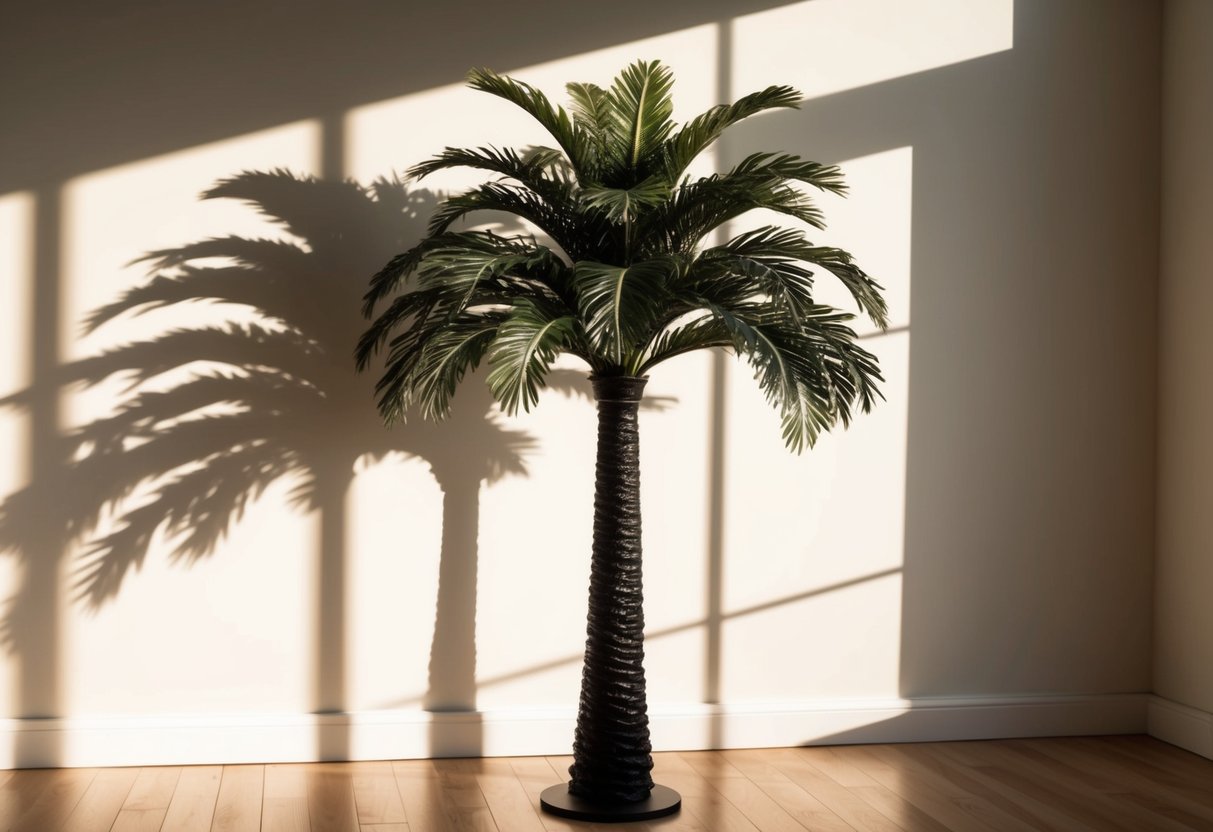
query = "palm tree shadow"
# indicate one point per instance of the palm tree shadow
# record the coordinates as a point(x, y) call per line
point(214, 413)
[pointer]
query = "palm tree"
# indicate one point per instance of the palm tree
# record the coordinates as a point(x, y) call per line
point(619, 275)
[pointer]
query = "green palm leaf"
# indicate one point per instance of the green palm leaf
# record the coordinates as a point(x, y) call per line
point(444, 359)
point(783, 167)
point(699, 133)
point(622, 204)
point(522, 352)
point(554, 119)
point(620, 304)
point(640, 109)
point(530, 171)
point(592, 112)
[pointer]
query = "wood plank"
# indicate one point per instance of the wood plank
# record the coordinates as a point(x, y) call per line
point(58, 794)
point(967, 792)
point(535, 774)
point(376, 794)
point(21, 791)
point(284, 802)
point(153, 788)
point(238, 806)
point(421, 795)
point(1179, 761)
point(916, 790)
point(745, 794)
point(507, 800)
point(147, 802)
point(330, 797)
point(1184, 777)
point(802, 806)
point(863, 780)
point(1020, 777)
point(839, 798)
point(384, 827)
point(701, 800)
point(1131, 783)
point(462, 799)
point(99, 807)
point(192, 807)
point(1092, 786)
point(440, 801)
point(976, 773)
point(139, 820)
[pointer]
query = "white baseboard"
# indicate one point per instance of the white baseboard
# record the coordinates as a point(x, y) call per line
point(261, 738)
point(1181, 725)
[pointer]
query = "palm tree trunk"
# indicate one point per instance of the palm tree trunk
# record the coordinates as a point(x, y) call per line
point(612, 760)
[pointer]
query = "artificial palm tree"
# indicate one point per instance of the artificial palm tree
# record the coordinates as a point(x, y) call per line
point(619, 275)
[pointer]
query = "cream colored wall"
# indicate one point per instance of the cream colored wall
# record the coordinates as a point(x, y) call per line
point(1183, 642)
point(986, 532)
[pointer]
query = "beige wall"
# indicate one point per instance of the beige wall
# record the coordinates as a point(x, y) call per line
point(1183, 644)
point(988, 532)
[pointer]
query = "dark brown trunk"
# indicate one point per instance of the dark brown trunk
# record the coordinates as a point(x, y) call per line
point(612, 755)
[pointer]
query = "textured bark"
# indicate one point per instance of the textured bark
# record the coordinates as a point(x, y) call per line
point(612, 755)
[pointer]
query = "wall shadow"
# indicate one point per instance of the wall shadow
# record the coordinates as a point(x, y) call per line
point(216, 412)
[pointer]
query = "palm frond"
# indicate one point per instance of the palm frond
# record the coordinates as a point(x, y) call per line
point(622, 204)
point(403, 312)
point(863, 288)
point(554, 119)
point(592, 112)
point(640, 110)
point(440, 364)
point(698, 208)
point(523, 350)
point(531, 171)
point(620, 304)
point(512, 199)
point(700, 132)
point(696, 330)
point(784, 166)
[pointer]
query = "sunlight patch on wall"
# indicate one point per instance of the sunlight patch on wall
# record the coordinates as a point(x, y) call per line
point(395, 535)
point(794, 525)
point(844, 646)
point(873, 223)
point(229, 633)
point(393, 135)
point(823, 47)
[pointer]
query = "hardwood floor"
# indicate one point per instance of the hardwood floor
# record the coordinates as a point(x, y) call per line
point(1089, 784)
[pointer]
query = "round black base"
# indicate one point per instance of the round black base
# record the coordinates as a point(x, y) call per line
point(662, 801)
